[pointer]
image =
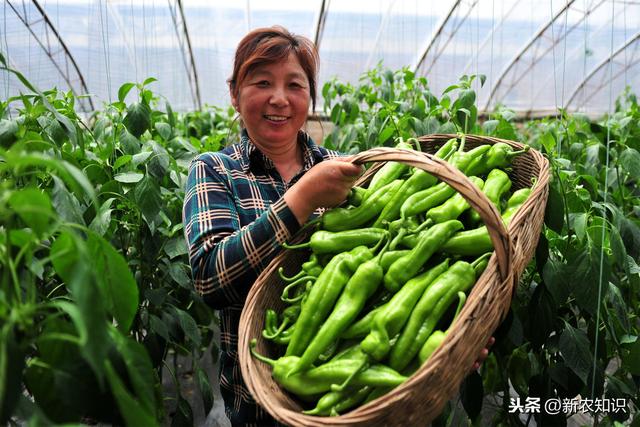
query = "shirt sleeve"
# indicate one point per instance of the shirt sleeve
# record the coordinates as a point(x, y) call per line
point(226, 259)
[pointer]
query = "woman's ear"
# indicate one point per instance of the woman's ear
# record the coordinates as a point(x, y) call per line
point(234, 101)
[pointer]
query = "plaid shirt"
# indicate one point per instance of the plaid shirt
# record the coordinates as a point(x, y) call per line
point(235, 221)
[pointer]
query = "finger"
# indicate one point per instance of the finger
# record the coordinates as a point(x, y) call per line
point(491, 341)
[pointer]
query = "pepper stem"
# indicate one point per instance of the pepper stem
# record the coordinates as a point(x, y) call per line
point(285, 292)
point(299, 246)
point(254, 353)
point(462, 298)
point(338, 388)
point(479, 264)
point(289, 279)
point(277, 332)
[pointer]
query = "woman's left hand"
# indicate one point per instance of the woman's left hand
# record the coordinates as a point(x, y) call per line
point(483, 354)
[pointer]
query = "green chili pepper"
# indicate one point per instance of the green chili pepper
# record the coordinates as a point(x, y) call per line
point(389, 172)
point(429, 309)
point(463, 159)
point(496, 185)
point(284, 337)
point(351, 399)
point(323, 242)
point(390, 257)
point(323, 295)
point(453, 207)
point(477, 241)
point(363, 326)
point(437, 337)
point(424, 200)
point(289, 316)
point(341, 219)
point(498, 156)
point(359, 288)
point(321, 379)
point(356, 196)
point(387, 323)
point(408, 266)
point(418, 180)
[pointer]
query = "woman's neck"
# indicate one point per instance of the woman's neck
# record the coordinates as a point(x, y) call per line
point(287, 159)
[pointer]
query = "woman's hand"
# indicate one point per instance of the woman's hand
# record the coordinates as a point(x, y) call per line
point(483, 354)
point(325, 185)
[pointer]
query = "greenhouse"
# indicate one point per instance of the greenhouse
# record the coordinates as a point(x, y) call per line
point(314, 213)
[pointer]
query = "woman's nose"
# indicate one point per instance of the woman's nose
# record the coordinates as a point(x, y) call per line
point(278, 97)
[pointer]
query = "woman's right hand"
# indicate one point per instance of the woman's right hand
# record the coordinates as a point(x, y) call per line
point(325, 185)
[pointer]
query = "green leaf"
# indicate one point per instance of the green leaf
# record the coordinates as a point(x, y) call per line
point(147, 195)
point(164, 130)
point(575, 349)
point(554, 213)
point(386, 133)
point(519, 370)
point(188, 326)
point(118, 287)
point(65, 203)
point(11, 367)
point(206, 391)
point(158, 165)
point(139, 369)
point(33, 207)
point(630, 162)
point(121, 161)
point(183, 415)
point(176, 246)
point(129, 143)
point(124, 90)
point(129, 177)
point(131, 408)
point(631, 358)
point(149, 80)
point(471, 395)
point(8, 131)
point(138, 118)
point(102, 220)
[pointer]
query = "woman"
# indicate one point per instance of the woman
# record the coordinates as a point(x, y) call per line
point(243, 202)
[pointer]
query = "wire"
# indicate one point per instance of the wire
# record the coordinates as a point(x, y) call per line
point(105, 44)
point(604, 203)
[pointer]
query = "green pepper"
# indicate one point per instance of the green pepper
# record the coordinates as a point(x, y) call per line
point(341, 219)
point(362, 326)
point(477, 241)
point(497, 184)
point(390, 257)
point(424, 200)
point(389, 172)
point(335, 402)
point(325, 242)
point(437, 337)
point(305, 280)
point(321, 379)
point(429, 309)
point(289, 316)
point(359, 288)
point(463, 159)
point(387, 323)
point(498, 156)
point(429, 242)
point(454, 206)
point(356, 196)
point(323, 295)
point(418, 180)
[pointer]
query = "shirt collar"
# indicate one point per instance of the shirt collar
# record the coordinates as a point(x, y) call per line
point(253, 157)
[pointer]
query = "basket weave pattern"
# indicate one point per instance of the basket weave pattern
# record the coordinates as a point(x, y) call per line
point(421, 398)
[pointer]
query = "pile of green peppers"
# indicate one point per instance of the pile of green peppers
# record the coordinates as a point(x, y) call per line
point(386, 276)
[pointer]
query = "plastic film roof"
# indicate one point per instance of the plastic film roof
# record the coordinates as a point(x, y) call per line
point(537, 56)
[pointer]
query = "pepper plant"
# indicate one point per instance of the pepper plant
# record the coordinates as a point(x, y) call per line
point(95, 288)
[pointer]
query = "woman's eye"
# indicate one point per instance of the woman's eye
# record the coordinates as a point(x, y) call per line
point(262, 83)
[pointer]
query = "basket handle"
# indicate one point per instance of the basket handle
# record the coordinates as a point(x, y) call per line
point(456, 179)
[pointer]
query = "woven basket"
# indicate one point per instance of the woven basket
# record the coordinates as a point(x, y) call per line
point(421, 398)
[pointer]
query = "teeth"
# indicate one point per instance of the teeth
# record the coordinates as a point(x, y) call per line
point(276, 118)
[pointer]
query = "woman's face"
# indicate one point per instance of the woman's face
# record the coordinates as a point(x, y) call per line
point(273, 102)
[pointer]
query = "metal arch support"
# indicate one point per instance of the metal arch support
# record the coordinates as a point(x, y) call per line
point(519, 55)
point(182, 33)
point(600, 66)
point(66, 67)
point(434, 41)
point(319, 26)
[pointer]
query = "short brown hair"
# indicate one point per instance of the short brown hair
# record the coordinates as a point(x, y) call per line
point(269, 45)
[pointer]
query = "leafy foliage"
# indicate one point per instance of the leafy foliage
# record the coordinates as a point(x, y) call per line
point(95, 283)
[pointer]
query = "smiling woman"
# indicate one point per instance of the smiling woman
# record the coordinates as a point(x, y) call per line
point(243, 202)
